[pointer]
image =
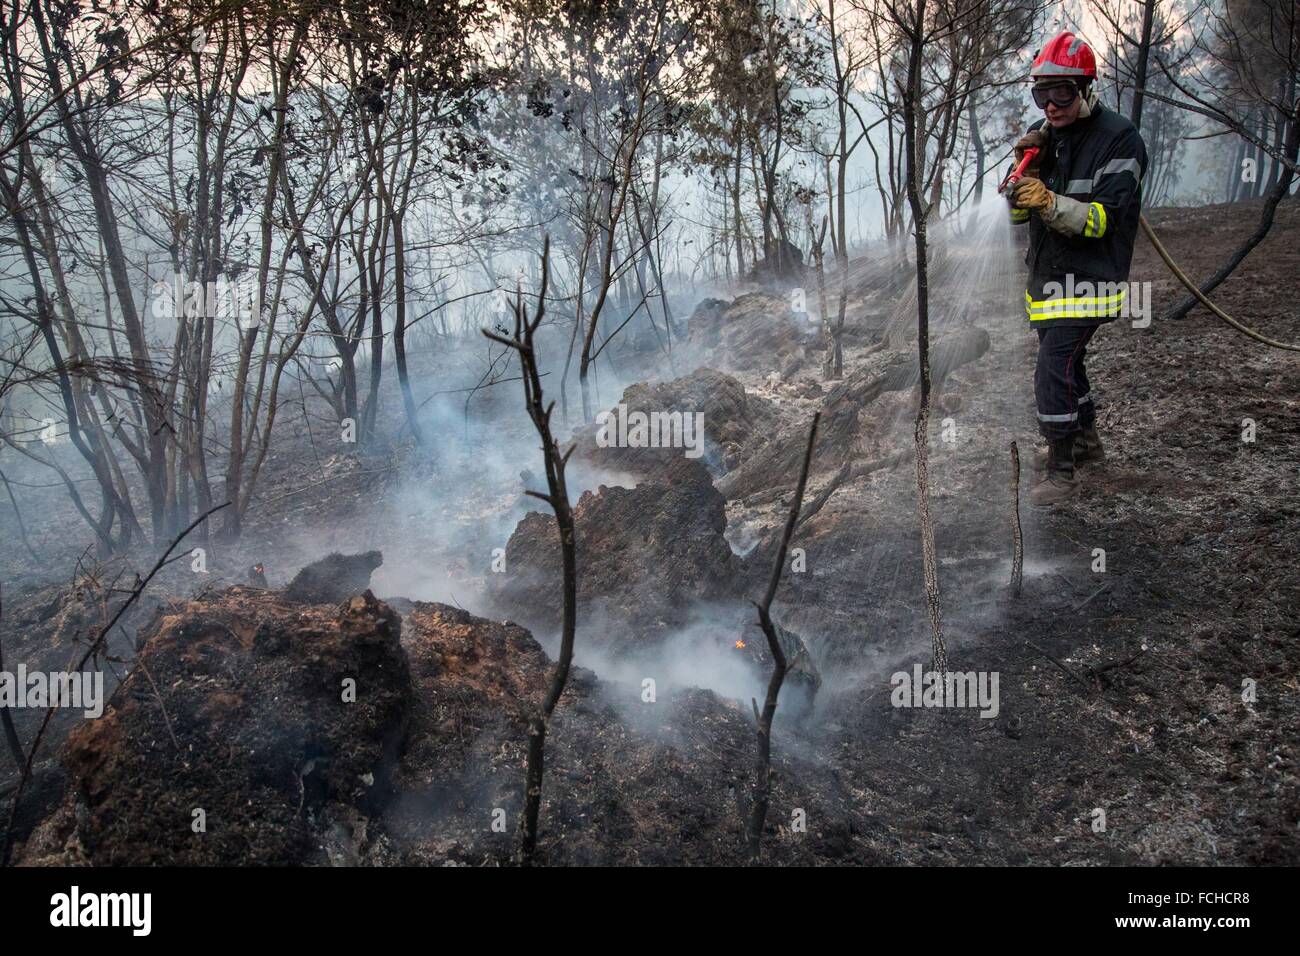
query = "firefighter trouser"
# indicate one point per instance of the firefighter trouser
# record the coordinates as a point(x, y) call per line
point(1065, 404)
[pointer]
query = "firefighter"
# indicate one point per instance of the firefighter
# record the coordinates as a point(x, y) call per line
point(1081, 198)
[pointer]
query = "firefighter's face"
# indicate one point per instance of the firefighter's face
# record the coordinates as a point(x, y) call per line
point(1060, 113)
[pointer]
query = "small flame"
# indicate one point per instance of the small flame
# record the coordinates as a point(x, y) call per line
point(739, 645)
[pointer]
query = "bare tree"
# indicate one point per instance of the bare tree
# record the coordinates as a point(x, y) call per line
point(848, 55)
point(1254, 52)
point(524, 341)
point(1162, 28)
point(763, 765)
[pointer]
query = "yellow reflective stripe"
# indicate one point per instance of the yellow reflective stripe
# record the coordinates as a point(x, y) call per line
point(1096, 225)
point(1079, 307)
point(1069, 314)
point(1113, 299)
point(1019, 215)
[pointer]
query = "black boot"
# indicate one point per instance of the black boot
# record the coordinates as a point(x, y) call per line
point(1087, 446)
point(1087, 450)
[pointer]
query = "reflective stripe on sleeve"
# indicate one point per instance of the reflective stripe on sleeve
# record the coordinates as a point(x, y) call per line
point(1096, 225)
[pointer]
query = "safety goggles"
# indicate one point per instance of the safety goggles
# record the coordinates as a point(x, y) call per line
point(1062, 95)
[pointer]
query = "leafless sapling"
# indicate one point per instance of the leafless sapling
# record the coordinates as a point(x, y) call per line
point(763, 765)
point(1017, 538)
point(913, 27)
point(523, 341)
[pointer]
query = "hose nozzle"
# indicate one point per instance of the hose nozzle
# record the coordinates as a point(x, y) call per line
point(1030, 155)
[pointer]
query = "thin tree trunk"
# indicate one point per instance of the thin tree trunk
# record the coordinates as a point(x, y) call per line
point(735, 204)
point(557, 496)
point(280, 74)
point(1143, 58)
point(399, 328)
point(914, 157)
point(763, 764)
point(977, 144)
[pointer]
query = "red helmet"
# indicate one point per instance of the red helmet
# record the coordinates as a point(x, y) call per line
point(1066, 56)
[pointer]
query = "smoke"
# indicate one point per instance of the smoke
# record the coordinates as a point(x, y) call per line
point(444, 523)
point(444, 526)
point(701, 653)
point(442, 518)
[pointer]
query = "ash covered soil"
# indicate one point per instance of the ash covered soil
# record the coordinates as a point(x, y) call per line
point(1121, 690)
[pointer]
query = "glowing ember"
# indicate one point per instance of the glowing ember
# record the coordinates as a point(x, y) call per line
point(740, 645)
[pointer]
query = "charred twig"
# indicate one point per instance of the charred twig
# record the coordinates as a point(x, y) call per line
point(763, 766)
point(1070, 584)
point(1096, 672)
point(850, 471)
point(1093, 673)
point(1071, 674)
point(557, 496)
point(91, 652)
point(1088, 600)
point(1018, 543)
point(162, 706)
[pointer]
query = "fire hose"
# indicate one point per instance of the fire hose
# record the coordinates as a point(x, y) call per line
point(1028, 157)
point(1200, 296)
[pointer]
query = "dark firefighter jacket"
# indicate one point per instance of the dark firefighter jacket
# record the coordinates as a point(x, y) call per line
point(1081, 279)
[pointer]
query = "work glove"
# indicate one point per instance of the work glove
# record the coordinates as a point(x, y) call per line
point(1034, 139)
point(1029, 192)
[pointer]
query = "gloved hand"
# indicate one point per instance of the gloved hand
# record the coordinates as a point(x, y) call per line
point(1034, 139)
point(1029, 192)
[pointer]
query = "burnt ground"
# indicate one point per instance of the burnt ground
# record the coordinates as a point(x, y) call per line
point(1120, 690)
point(1198, 595)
